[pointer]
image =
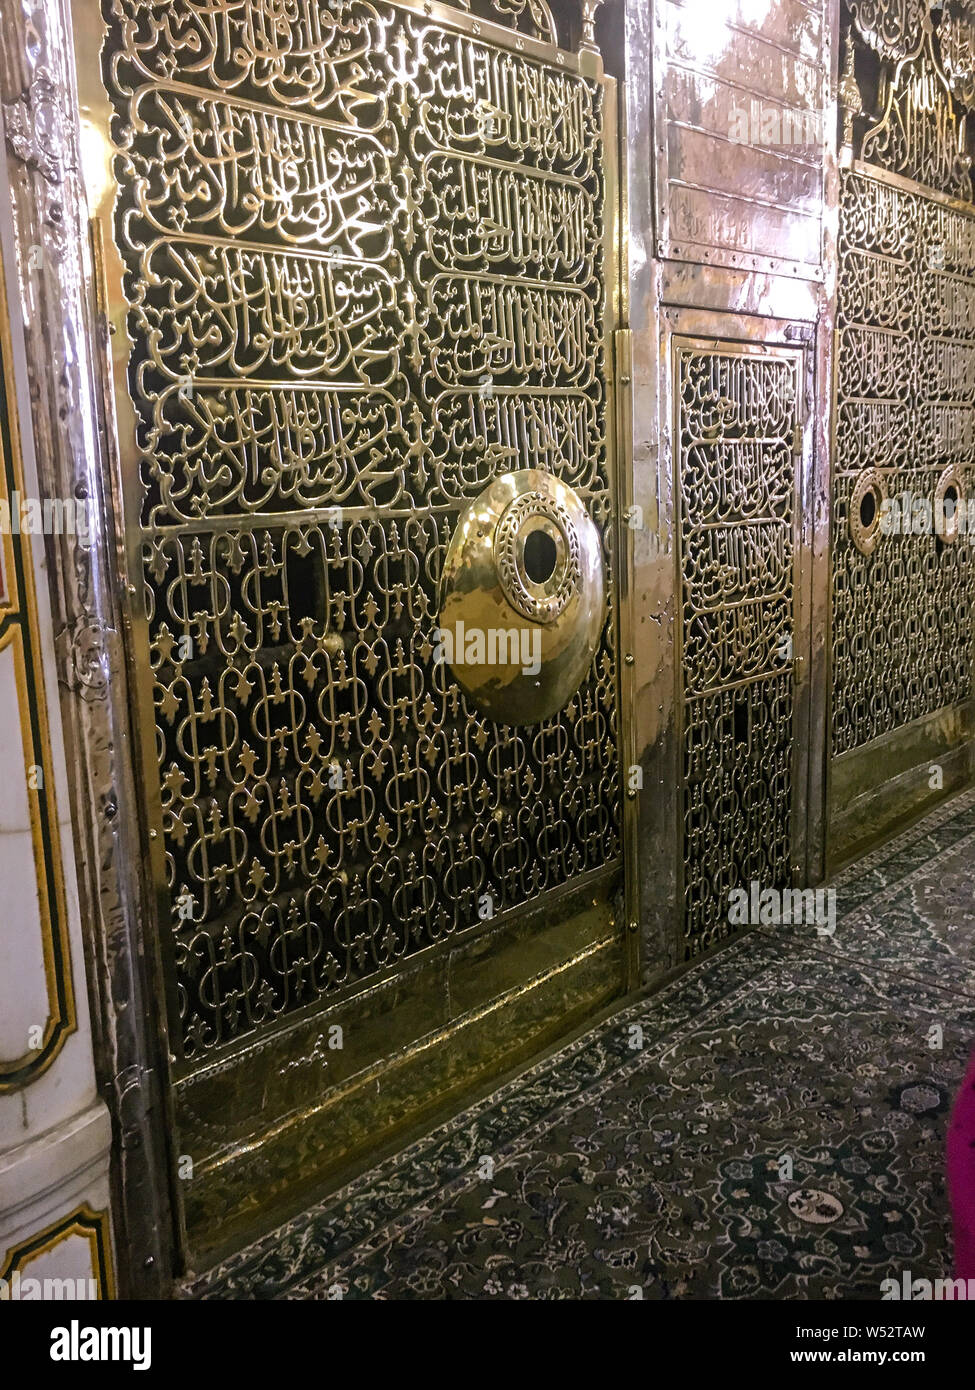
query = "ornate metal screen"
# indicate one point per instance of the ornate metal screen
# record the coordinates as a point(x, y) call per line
point(364, 258)
point(905, 375)
point(736, 437)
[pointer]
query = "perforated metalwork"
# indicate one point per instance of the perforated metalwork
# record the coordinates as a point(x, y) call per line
point(736, 431)
point(901, 645)
point(956, 44)
point(922, 133)
point(365, 274)
point(566, 578)
point(892, 27)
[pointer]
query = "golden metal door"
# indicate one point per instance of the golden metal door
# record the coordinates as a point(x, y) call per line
point(738, 449)
point(357, 260)
point(903, 581)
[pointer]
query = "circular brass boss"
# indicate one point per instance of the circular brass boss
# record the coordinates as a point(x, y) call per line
point(524, 597)
point(949, 503)
point(866, 502)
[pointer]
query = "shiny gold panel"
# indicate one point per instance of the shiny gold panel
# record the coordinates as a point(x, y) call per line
point(360, 268)
point(738, 438)
point(905, 382)
point(740, 95)
point(364, 274)
point(415, 1045)
point(524, 597)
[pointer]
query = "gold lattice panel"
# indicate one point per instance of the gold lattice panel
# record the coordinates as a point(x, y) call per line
point(736, 430)
point(364, 269)
point(905, 407)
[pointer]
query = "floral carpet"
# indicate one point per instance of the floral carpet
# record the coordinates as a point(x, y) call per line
point(770, 1125)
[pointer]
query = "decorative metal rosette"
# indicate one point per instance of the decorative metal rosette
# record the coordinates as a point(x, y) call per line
point(524, 597)
point(866, 503)
point(950, 505)
point(538, 525)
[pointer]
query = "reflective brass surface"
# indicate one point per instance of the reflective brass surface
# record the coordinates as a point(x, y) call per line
point(905, 377)
point(358, 260)
point(887, 782)
point(363, 252)
point(950, 505)
point(866, 510)
point(520, 645)
point(325, 249)
point(894, 28)
point(737, 430)
point(735, 253)
point(416, 1044)
point(326, 244)
point(742, 108)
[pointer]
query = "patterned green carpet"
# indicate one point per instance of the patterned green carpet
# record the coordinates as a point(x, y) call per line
point(769, 1125)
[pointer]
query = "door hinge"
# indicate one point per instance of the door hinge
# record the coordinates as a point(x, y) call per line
point(797, 439)
point(798, 669)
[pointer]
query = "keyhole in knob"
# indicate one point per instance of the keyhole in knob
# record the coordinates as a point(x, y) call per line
point(540, 556)
point(868, 509)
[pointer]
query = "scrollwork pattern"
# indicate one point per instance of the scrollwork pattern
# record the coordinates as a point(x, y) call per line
point(922, 135)
point(736, 437)
point(956, 44)
point(364, 274)
point(906, 407)
point(892, 27)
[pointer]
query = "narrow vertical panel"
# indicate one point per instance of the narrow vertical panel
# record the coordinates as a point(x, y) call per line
point(737, 435)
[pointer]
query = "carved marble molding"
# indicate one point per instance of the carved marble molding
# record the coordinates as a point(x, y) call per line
point(60, 341)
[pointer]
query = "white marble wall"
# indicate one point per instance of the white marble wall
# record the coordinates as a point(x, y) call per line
point(55, 1133)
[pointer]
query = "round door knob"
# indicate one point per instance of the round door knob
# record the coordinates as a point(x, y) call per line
point(524, 597)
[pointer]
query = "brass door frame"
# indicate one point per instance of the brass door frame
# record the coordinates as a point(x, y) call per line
point(120, 432)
